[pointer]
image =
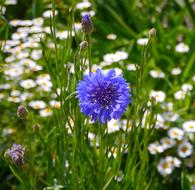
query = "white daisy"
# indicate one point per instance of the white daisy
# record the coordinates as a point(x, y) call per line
point(189, 126)
point(37, 104)
point(45, 112)
point(28, 83)
point(111, 36)
point(142, 41)
point(176, 71)
point(157, 74)
point(165, 166)
point(185, 149)
point(113, 126)
point(182, 48)
point(176, 133)
point(155, 148)
point(159, 96)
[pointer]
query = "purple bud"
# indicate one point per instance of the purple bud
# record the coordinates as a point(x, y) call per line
point(16, 153)
point(87, 25)
point(22, 112)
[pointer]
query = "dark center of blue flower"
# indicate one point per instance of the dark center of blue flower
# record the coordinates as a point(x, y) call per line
point(104, 94)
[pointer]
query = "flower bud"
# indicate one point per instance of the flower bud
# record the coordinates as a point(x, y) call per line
point(16, 154)
point(152, 32)
point(22, 112)
point(87, 25)
point(83, 45)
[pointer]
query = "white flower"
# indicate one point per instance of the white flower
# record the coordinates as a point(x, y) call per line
point(91, 13)
point(155, 148)
point(159, 96)
point(14, 99)
point(111, 36)
point(113, 126)
point(185, 149)
point(119, 176)
point(160, 122)
point(157, 74)
point(55, 104)
point(113, 152)
point(126, 126)
point(170, 116)
point(167, 143)
point(176, 133)
point(165, 166)
point(186, 87)
point(26, 96)
point(36, 54)
point(38, 21)
point(83, 5)
point(45, 112)
point(15, 93)
point(131, 67)
point(48, 13)
point(115, 57)
point(176, 71)
point(189, 126)
point(10, 2)
point(180, 95)
point(37, 104)
point(14, 72)
point(19, 35)
point(182, 48)
point(27, 84)
point(142, 41)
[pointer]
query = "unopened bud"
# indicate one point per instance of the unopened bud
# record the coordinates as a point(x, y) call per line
point(22, 112)
point(152, 32)
point(83, 45)
point(87, 25)
point(16, 154)
point(36, 126)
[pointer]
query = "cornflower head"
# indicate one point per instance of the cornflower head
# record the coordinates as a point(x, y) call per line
point(103, 96)
point(87, 25)
point(16, 153)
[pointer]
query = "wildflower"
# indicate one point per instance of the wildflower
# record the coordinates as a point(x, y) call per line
point(186, 87)
point(103, 96)
point(165, 166)
point(179, 95)
point(28, 83)
point(189, 126)
point(152, 32)
point(155, 148)
point(113, 126)
point(182, 48)
point(157, 74)
point(87, 25)
point(83, 5)
point(176, 133)
point(22, 112)
point(176, 71)
point(170, 116)
point(16, 153)
point(111, 36)
point(159, 96)
point(37, 104)
point(167, 143)
point(142, 41)
point(45, 112)
point(185, 149)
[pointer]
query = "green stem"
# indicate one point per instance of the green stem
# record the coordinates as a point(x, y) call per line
point(89, 51)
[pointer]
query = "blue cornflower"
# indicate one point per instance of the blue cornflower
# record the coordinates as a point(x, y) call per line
point(87, 25)
point(103, 96)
